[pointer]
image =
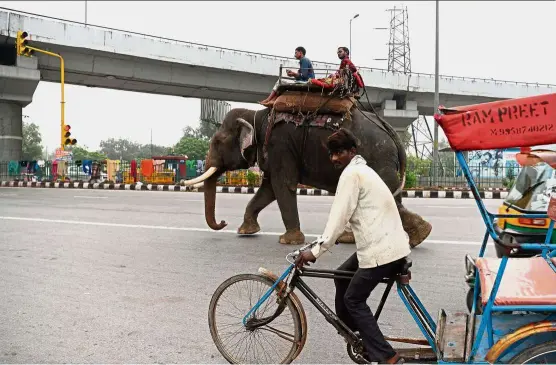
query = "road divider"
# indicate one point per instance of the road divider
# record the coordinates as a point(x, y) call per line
point(417, 193)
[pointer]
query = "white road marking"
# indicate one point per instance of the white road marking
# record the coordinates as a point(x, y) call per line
point(8, 194)
point(90, 197)
point(194, 229)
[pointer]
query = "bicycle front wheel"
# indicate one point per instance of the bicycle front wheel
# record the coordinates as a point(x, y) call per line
point(274, 343)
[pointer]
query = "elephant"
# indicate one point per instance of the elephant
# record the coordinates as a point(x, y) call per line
point(238, 144)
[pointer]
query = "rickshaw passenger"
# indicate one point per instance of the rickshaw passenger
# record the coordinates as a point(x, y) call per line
point(303, 75)
point(365, 201)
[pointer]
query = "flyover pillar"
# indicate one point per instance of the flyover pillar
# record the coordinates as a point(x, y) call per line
point(17, 86)
point(10, 130)
point(399, 116)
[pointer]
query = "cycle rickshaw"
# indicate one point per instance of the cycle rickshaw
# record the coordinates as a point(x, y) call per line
point(513, 317)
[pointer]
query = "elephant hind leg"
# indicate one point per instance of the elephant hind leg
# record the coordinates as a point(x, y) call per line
point(416, 227)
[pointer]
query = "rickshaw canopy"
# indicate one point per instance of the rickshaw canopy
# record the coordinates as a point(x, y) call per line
point(520, 122)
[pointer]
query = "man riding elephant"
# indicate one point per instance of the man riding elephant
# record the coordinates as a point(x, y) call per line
point(292, 155)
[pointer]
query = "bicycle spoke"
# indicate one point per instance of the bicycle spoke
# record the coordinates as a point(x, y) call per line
point(279, 333)
point(272, 343)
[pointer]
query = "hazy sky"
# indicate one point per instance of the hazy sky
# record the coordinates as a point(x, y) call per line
point(510, 40)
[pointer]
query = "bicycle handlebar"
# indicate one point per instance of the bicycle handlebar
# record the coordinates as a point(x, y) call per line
point(296, 253)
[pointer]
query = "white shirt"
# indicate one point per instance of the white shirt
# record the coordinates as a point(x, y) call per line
point(364, 201)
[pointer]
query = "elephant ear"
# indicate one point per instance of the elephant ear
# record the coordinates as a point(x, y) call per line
point(246, 135)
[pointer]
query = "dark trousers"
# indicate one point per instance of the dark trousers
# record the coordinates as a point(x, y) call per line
point(352, 308)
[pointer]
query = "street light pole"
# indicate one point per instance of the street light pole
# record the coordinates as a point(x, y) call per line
point(350, 51)
point(85, 12)
point(436, 102)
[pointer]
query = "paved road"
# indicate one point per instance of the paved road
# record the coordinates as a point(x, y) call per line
point(95, 276)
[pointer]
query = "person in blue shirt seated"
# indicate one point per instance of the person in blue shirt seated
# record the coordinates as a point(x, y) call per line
point(303, 75)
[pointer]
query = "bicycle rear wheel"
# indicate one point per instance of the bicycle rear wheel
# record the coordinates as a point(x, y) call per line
point(234, 341)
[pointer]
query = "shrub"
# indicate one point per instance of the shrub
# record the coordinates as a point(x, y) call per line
point(410, 180)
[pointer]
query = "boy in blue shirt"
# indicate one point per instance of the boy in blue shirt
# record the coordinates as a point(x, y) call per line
point(303, 75)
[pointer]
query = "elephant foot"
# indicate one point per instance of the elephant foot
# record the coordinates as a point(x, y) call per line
point(292, 237)
point(416, 227)
point(249, 226)
point(419, 234)
point(346, 237)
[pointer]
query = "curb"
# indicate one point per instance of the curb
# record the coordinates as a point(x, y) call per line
point(446, 194)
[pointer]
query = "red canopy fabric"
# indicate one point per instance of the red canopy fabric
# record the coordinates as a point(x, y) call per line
point(520, 122)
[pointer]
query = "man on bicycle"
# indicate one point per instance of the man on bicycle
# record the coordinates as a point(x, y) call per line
point(365, 202)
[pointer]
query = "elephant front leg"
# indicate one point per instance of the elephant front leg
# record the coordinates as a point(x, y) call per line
point(263, 197)
point(287, 202)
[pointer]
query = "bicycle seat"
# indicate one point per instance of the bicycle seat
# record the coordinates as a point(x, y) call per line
point(405, 274)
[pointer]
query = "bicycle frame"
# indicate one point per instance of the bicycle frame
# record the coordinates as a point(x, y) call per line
point(406, 293)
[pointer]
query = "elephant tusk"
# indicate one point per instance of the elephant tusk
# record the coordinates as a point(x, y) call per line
point(201, 178)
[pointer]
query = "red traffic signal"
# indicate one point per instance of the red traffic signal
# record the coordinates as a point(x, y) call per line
point(66, 134)
point(21, 44)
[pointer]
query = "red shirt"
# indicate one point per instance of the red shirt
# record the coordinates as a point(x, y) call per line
point(346, 62)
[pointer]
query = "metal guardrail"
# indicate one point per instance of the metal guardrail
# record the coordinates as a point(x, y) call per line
point(332, 65)
point(418, 175)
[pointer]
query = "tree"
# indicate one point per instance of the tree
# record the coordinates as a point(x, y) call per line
point(146, 151)
point(190, 132)
point(31, 144)
point(116, 149)
point(194, 148)
point(405, 137)
point(207, 128)
point(81, 153)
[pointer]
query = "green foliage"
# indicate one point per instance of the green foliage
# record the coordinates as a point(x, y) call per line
point(205, 130)
point(405, 137)
point(80, 153)
point(116, 149)
point(251, 178)
point(32, 139)
point(418, 166)
point(509, 180)
point(194, 148)
point(410, 180)
point(148, 151)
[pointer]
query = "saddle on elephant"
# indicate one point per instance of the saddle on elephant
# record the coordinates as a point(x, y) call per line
point(334, 94)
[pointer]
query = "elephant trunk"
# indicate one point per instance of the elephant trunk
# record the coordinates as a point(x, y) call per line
point(210, 194)
point(210, 204)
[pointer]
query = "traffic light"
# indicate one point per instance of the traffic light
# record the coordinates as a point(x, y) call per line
point(21, 44)
point(66, 134)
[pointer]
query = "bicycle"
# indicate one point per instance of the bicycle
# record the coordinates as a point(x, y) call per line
point(283, 287)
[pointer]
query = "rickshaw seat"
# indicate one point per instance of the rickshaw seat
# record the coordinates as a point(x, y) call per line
point(526, 281)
